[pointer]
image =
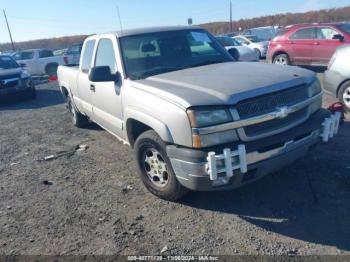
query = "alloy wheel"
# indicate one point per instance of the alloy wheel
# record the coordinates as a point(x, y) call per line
point(346, 97)
point(155, 167)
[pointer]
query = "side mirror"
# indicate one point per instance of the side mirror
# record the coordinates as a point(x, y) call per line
point(339, 37)
point(102, 74)
point(22, 65)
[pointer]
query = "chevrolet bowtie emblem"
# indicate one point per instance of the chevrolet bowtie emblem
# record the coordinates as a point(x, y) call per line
point(282, 112)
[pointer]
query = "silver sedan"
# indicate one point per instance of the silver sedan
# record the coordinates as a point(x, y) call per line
point(337, 77)
point(237, 50)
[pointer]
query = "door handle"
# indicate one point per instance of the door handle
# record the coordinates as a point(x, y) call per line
point(92, 88)
point(316, 43)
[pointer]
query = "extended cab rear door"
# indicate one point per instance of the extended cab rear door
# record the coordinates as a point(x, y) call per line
point(106, 97)
point(84, 98)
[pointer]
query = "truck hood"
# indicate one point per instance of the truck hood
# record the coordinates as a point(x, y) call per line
point(224, 83)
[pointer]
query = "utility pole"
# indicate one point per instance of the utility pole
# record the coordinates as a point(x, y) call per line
point(8, 28)
point(231, 25)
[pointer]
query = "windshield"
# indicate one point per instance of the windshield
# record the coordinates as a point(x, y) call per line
point(7, 62)
point(228, 41)
point(345, 28)
point(156, 53)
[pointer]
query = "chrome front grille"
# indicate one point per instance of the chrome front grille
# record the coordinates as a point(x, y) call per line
point(268, 103)
point(270, 126)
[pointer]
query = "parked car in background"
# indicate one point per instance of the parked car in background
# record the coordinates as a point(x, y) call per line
point(263, 33)
point(15, 82)
point(253, 42)
point(40, 61)
point(308, 44)
point(73, 54)
point(60, 52)
point(337, 77)
point(237, 50)
point(195, 118)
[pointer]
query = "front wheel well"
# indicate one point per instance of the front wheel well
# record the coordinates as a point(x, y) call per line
point(65, 92)
point(135, 129)
point(341, 85)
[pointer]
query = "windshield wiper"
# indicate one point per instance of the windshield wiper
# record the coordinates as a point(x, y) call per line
point(159, 70)
point(208, 62)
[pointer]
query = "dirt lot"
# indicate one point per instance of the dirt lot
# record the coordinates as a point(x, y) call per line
point(92, 202)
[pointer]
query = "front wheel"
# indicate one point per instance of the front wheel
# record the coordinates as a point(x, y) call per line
point(155, 168)
point(281, 59)
point(344, 94)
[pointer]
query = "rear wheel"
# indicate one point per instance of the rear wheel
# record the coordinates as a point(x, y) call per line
point(155, 168)
point(344, 94)
point(281, 59)
point(78, 119)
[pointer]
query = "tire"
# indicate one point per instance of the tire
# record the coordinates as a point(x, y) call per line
point(344, 95)
point(281, 59)
point(78, 119)
point(259, 53)
point(51, 69)
point(150, 150)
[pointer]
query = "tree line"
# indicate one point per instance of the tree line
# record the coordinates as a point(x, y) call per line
point(326, 15)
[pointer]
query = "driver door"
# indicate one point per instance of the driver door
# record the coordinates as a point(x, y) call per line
point(106, 96)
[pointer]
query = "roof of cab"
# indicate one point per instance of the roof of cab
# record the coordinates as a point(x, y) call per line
point(147, 30)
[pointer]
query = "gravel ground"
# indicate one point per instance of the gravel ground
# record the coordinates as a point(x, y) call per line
point(92, 202)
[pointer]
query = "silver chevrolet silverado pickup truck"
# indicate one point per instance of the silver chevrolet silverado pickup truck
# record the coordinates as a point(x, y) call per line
point(195, 118)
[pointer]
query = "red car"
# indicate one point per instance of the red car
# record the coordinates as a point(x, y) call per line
point(308, 44)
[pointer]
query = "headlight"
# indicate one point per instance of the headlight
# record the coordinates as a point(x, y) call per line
point(316, 88)
point(215, 139)
point(205, 118)
point(315, 106)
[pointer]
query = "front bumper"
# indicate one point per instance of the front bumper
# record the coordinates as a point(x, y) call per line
point(232, 166)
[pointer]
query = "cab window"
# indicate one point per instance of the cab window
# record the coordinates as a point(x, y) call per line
point(87, 56)
point(326, 33)
point(45, 53)
point(105, 55)
point(26, 55)
point(304, 34)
